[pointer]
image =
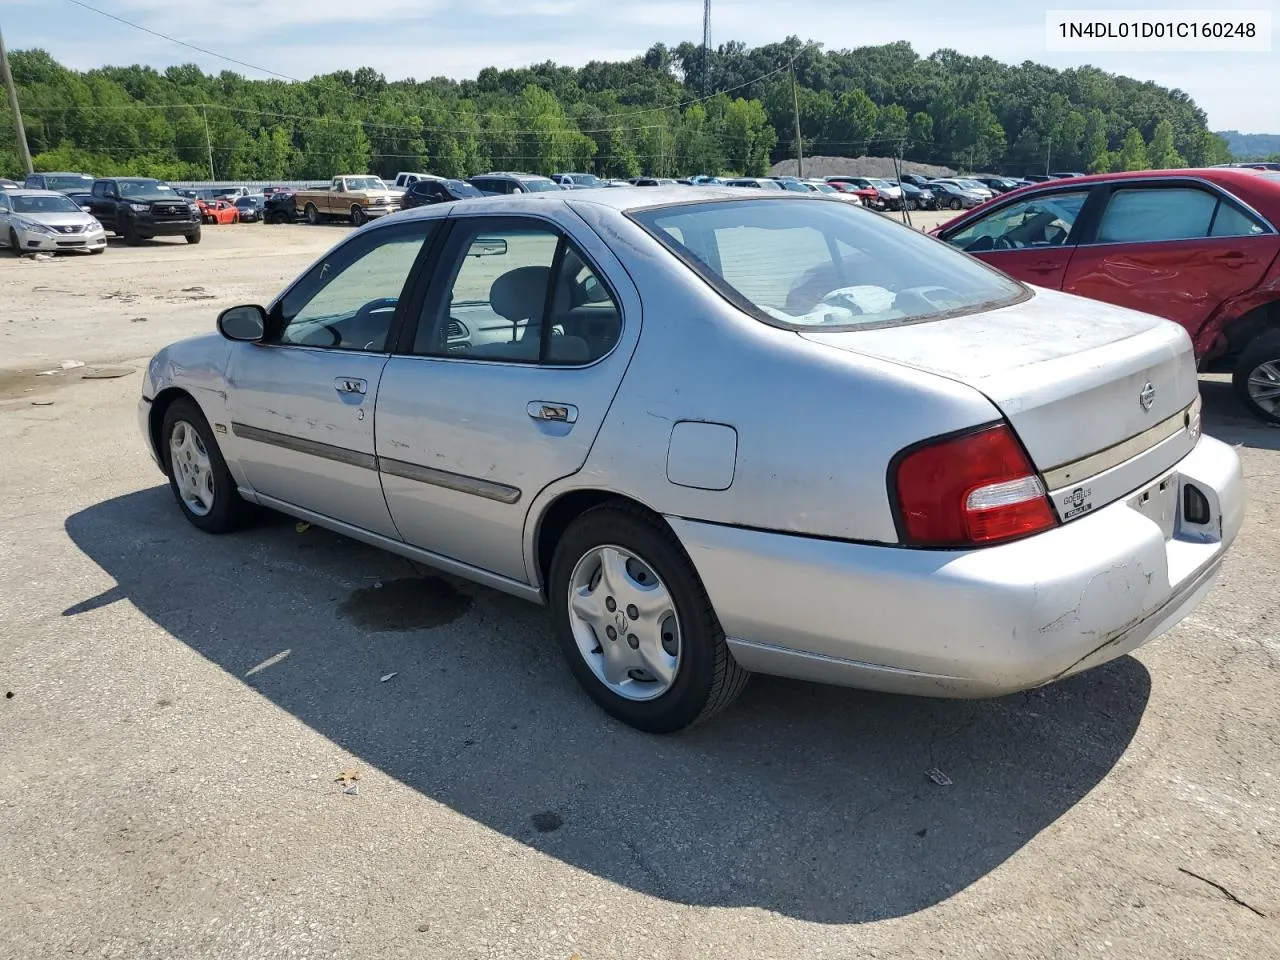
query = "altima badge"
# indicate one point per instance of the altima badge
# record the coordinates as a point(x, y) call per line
point(1147, 397)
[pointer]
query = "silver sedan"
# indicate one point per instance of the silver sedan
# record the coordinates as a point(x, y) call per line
point(32, 221)
point(717, 433)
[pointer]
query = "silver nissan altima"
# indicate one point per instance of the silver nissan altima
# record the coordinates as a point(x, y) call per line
point(32, 221)
point(718, 434)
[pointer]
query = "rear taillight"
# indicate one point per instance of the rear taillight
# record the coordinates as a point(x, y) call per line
point(971, 490)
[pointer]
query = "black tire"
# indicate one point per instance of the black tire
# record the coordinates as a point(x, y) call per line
point(954, 203)
point(194, 237)
point(358, 217)
point(15, 245)
point(229, 510)
point(1262, 349)
point(130, 233)
point(708, 679)
point(98, 250)
point(313, 214)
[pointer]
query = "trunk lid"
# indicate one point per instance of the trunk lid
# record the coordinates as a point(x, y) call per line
point(1071, 375)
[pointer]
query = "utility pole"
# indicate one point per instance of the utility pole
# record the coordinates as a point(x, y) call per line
point(208, 142)
point(795, 103)
point(18, 128)
point(1048, 156)
point(706, 49)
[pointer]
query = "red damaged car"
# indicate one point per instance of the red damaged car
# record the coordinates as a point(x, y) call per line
point(1199, 247)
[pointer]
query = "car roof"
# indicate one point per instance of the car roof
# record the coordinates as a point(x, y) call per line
point(623, 201)
point(1251, 186)
point(137, 180)
point(60, 173)
point(32, 192)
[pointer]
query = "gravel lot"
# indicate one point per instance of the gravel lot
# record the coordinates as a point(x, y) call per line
point(178, 707)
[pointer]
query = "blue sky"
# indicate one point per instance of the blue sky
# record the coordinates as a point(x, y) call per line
point(424, 38)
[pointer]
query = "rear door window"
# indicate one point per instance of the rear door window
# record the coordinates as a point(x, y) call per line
point(1145, 215)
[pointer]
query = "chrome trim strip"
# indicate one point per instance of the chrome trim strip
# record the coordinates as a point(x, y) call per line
point(475, 486)
point(479, 575)
point(450, 481)
point(1078, 470)
point(327, 451)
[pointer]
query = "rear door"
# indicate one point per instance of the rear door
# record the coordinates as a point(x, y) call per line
point(1032, 238)
point(501, 385)
point(1174, 248)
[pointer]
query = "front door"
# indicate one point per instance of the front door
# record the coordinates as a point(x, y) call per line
point(102, 203)
point(302, 404)
point(519, 351)
point(1178, 251)
point(1031, 239)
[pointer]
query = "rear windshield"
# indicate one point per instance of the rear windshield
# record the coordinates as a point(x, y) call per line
point(539, 186)
point(824, 263)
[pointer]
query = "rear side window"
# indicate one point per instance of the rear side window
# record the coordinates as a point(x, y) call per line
point(1171, 213)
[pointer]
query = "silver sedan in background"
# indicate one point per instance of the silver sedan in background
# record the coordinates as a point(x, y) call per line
point(715, 432)
point(32, 221)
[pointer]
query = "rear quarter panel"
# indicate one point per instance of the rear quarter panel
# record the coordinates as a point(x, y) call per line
point(816, 426)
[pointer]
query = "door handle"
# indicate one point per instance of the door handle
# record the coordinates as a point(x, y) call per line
point(553, 412)
point(1045, 266)
point(1232, 258)
point(350, 385)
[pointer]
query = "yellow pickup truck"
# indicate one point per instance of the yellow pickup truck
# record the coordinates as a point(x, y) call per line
point(355, 198)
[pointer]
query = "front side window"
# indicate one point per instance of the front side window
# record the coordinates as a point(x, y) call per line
point(348, 300)
point(824, 264)
point(1167, 213)
point(1043, 221)
point(520, 294)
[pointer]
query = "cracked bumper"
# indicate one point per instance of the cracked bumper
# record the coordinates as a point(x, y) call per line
point(976, 623)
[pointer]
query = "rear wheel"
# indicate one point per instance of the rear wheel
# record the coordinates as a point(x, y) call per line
point(313, 214)
point(635, 623)
point(198, 476)
point(1256, 377)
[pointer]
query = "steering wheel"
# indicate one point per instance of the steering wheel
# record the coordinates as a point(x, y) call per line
point(1003, 243)
point(373, 306)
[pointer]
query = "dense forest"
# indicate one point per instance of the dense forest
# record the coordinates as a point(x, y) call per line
point(1252, 146)
point(646, 115)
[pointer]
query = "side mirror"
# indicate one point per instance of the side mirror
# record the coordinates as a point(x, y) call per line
point(246, 324)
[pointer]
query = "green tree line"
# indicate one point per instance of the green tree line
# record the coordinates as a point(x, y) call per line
point(646, 115)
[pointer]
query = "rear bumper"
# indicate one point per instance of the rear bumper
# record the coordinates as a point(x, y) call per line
point(968, 624)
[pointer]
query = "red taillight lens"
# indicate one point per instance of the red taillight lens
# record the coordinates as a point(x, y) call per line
point(975, 489)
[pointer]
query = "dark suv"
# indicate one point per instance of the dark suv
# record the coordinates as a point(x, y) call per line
point(425, 192)
point(498, 183)
point(61, 182)
point(138, 209)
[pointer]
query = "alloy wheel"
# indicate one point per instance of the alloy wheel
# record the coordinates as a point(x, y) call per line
point(192, 470)
point(624, 623)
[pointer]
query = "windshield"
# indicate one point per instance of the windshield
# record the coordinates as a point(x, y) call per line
point(460, 189)
point(74, 182)
point(146, 188)
point(824, 188)
point(538, 186)
point(793, 186)
point(38, 204)
point(365, 183)
point(585, 179)
point(825, 264)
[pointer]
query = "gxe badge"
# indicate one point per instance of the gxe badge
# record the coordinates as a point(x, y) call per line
point(1147, 397)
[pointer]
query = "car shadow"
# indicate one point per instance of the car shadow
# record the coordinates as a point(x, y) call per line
point(820, 803)
point(1227, 420)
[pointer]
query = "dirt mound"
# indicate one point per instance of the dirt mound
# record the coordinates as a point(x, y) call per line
point(856, 167)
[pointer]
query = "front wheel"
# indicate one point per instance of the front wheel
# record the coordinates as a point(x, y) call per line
point(313, 214)
point(1256, 377)
point(198, 475)
point(635, 623)
point(130, 234)
point(15, 245)
point(193, 237)
point(955, 203)
point(358, 216)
